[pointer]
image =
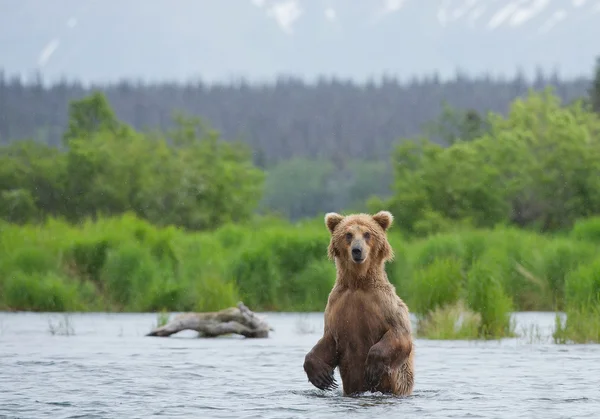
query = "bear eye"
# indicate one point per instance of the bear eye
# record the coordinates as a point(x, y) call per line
point(367, 235)
point(348, 236)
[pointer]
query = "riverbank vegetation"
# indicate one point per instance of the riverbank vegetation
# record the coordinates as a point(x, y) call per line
point(506, 218)
point(461, 284)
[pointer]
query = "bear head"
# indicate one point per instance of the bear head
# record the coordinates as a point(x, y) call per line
point(359, 240)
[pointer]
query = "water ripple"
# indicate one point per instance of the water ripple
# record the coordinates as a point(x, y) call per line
point(100, 373)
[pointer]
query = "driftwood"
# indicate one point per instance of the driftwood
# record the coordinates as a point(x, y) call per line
point(238, 320)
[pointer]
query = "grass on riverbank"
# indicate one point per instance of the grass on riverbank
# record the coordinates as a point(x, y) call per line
point(582, 296)
point(460, 285)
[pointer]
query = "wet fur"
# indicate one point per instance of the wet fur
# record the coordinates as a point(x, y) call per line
point(367, 332)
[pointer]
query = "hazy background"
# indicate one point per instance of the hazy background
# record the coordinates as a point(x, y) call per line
point(92, 40)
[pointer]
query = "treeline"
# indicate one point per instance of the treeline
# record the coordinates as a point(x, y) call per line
point(341, 171)
point(187, 177)
point(537, 167)
point(332, 119)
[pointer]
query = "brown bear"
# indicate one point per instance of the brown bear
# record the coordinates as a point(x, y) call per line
point(367, 332)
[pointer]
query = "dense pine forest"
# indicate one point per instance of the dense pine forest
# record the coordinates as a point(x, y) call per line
point(281, 120)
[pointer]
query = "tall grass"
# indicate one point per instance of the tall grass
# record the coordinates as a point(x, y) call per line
point(582, 300)
point(284, 268)
point(460, 285)
point(116, 264)
point(491, 273)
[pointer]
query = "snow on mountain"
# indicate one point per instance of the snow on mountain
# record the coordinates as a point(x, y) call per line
point(259, 39)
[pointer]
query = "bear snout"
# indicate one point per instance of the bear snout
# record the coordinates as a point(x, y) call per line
point(357, 254)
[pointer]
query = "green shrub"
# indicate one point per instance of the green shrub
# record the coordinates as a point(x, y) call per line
point(214, 294)
point(461, 285)
point(268, 270)
point(437, 247)
point(486, 296)
point(29, 260)
point(165, 292)
point(582, 286)
point(203, 271)
point(311, 286)
point(475, 244)
point(128, 272)
point(514, 257)
point(587, 229)
point(233, 236)
point(40, 292)
point(581, 326)
point(436, 285)
point(87, 258)
point(559, 258)
point(399, 270)
point(582, 305)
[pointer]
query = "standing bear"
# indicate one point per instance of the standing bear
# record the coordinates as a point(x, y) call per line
point(367, 332)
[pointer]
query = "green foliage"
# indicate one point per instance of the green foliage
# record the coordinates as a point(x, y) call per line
point(40, 292)
point(534, 168)
point(582, 301)
point(31, 181)
point(188, 177)
point(128, 270)
point(436, 285)
point(582, 286)
point(130, 221)
point(537, 167)
point(283, 269)
point(121, 263)
point(459, 282)
point(459, 285)
point(587, 229)
point(88, 258)
point(559, 258)
point(90, 115)
point(437, 247)
point(30, 260)
point(486, 296)
point(580, 326)
point(17, 206)
point(451, 270)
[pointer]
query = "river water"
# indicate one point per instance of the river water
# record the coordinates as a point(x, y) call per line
point(102, 366)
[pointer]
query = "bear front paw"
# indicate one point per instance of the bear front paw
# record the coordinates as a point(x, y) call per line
point(373, 374)
point(375, 368)
point(320, 374)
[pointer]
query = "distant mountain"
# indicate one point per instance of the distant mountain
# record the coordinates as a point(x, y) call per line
point(258, 39)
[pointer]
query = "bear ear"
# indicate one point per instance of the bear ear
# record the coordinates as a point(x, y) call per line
point(384, 219)
point(332, 219)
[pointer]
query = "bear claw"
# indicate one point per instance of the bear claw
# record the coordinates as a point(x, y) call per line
point(325, 381)
point(373, 375)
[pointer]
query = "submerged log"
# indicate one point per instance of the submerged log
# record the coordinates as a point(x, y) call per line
point(237, 320)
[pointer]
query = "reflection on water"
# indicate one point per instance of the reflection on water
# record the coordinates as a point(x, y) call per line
point(106, 368)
